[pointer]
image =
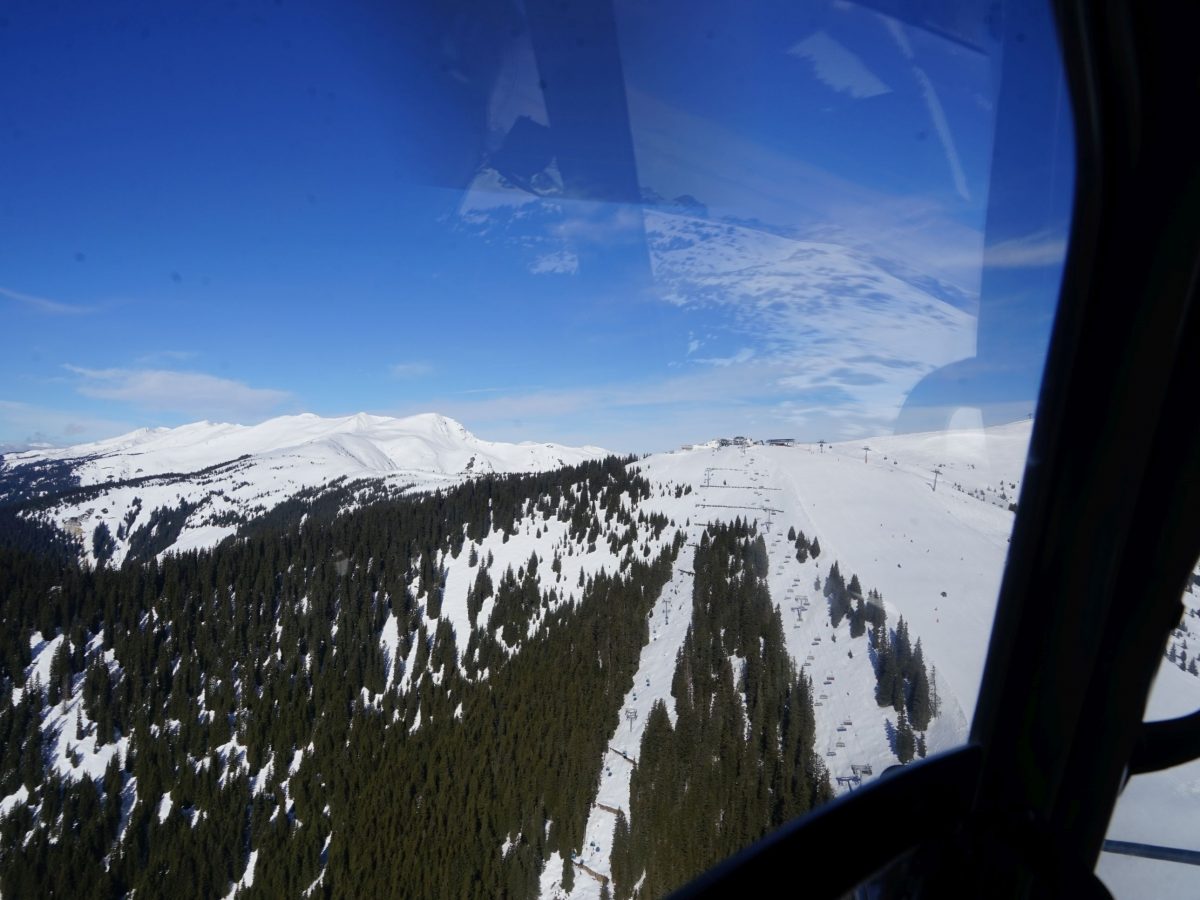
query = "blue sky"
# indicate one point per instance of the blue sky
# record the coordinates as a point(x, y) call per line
point(268, 208)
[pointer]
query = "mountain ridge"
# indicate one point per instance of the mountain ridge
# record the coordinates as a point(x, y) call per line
point(225, 474)
point(210, 443)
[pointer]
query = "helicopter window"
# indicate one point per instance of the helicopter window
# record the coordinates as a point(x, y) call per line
point(807, 255)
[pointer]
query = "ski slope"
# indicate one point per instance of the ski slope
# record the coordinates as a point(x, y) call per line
point(881, 519)
point(936, 556)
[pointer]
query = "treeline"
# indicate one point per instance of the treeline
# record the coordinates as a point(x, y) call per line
point(35, 481)
point(739, 758)
point(42, 485)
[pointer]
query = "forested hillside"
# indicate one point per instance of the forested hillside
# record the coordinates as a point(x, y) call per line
point(739, 757)
point(302, 711)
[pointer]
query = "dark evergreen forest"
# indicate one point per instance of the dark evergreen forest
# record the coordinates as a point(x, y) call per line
point(251, 683)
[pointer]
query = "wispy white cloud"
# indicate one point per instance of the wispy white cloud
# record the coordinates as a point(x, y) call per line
point(837, 67)
point(827, 327)
point(597, 223)
point(414, 369)
point(678, 153)
point(182, 393)
point(836, 308)
point(681, 153)
point(822, 337)
point(44, 304)
point(562, 262)
point(744, 355)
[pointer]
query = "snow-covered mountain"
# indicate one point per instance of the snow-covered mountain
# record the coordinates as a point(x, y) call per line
point(377, 445)
point(225, 472)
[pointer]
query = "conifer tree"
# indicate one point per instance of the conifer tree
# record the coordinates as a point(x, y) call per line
point(906, 743)
point(888, 681)
point(568, 872)
point(920, 707)
point(59, 686)
point(858, 619)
